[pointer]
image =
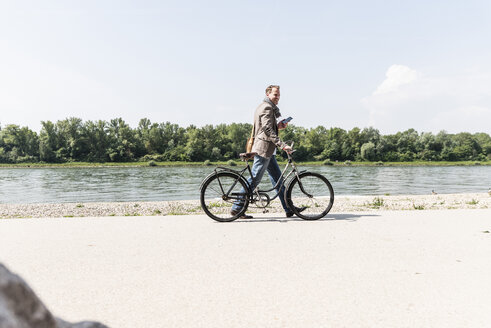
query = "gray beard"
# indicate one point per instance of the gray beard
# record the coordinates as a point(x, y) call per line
point(275, 108)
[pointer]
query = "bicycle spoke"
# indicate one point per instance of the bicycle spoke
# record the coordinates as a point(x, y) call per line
point(314, 193)
point(219, 194)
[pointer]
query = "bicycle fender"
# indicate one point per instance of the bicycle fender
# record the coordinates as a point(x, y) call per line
point(207, 178)
point(222, 170)
point(287, 184)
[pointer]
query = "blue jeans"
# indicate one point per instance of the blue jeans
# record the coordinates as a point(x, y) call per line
point(260, 165)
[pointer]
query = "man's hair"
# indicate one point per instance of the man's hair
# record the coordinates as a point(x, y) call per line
point(270, 88)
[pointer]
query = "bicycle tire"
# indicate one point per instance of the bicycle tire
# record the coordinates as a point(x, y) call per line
point(214, 200)
point(317, 195)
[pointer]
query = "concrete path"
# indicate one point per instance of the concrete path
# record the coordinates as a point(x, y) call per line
point(377, 269)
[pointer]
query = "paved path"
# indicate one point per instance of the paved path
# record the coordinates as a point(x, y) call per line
point(378, 269)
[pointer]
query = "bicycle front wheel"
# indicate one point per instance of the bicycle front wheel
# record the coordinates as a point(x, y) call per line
point(311, 192)
point(218, 194)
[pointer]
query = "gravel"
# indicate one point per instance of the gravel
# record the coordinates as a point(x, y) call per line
point(341, 204)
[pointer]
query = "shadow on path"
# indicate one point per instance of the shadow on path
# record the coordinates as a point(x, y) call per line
point(330, 217)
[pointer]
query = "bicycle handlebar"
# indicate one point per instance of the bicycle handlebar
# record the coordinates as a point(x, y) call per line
point(291, 146)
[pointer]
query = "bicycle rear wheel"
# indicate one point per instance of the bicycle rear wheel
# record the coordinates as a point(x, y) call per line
point(218, 194)
point(312, 192)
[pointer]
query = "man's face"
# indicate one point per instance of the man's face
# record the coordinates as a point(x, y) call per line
point(274, 96)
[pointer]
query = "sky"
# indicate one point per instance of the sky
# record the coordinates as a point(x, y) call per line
point(391, 65)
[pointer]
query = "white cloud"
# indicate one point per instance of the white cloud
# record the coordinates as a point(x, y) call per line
point(396, 76)
point(408, 98)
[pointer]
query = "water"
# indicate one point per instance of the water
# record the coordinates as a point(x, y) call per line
point(118, 184)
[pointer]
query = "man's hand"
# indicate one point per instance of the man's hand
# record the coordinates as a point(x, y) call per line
point(282, 126)
point(288, 149)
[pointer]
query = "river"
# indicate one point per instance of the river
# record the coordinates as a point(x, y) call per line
point(118, 184)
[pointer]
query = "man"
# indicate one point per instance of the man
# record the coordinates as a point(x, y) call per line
point(266, 140)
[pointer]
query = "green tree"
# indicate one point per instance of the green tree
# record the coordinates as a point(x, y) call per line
point(96, 141)
point(368, 151)
point(70, 145)
point(354, 142)
point(122, 141)
point(369, 134)
point(48, 142)
point(196, 148)
point(315, 141)
point(484, 141)
point(467, 148)
point(238, 134)
point(19, 144)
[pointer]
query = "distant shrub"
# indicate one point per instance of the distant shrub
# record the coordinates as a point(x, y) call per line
point(328, 162)
point(231, 163)
point(207, 162)
point(477, 163)
point(152, 163)
point(348, 162)
point(379, 163)
point(153, 157)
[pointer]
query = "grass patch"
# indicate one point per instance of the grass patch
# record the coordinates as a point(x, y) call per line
point(418, 207)
point(218, 204)
point(79, 205)
point(132, 214)
point(177, 213)
point(377, 202)
point(473, 202)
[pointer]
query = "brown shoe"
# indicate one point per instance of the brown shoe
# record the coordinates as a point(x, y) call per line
point(299, 209)
point(243, 216)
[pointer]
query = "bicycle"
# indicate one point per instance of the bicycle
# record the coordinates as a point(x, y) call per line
point(309, 191)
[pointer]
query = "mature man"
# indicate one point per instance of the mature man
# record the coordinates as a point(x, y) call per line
point(266, 140)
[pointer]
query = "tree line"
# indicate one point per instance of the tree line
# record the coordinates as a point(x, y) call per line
point(73, 140)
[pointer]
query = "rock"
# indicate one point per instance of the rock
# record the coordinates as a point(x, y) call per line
point(21, 308)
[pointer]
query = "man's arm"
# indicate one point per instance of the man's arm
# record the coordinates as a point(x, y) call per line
point(268, 122)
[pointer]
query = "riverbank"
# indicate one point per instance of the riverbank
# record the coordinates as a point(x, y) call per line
point(342, 204)
point(238, 163)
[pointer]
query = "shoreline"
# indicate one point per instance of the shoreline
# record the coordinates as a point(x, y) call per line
point(238, 162)
point(192, 207)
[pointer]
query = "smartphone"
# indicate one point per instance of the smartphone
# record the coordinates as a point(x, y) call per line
point(286, 120)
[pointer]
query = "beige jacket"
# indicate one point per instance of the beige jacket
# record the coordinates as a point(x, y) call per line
point(266, 129)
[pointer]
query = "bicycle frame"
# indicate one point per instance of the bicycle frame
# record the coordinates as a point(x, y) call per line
point(279, 184)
